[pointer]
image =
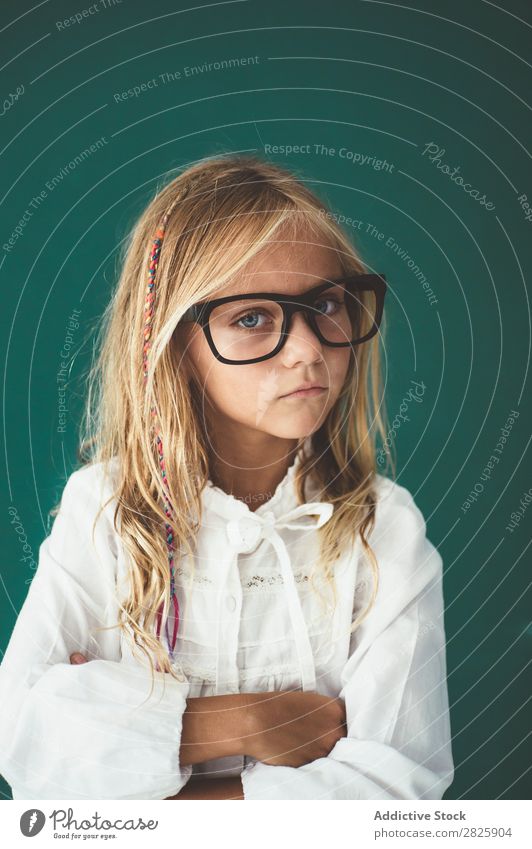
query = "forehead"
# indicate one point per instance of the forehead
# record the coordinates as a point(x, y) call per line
point(287, 266)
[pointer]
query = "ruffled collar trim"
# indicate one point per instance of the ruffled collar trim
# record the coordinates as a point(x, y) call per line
point(284, 497)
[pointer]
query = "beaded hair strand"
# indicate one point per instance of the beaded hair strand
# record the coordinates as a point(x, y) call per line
point(148, 320)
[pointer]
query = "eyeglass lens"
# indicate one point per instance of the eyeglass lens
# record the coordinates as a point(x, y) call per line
point(249, 328)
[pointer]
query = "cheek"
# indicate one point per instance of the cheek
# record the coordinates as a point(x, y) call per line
point(246, 393)
point(337, 364)
point(231, 389)
point(224, 387)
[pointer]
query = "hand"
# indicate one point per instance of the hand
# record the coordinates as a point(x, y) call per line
point(77, 657)
point(292, 728)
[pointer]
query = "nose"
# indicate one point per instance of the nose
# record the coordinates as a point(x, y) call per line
point(302, 343)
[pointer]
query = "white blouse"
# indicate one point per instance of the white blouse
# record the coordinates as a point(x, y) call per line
point(250, 622)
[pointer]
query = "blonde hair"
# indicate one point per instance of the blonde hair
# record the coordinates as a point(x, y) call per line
point(225, 210)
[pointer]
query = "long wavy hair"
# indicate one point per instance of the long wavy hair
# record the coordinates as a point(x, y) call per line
point(225, 209)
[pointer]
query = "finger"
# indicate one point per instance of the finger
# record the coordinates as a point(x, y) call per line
point(77, 658)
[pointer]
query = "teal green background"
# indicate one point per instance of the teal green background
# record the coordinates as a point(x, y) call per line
point(380, 80)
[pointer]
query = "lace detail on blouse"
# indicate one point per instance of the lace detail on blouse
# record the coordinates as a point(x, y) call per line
point(198, 579)
point(248, 584)
point(270, 580)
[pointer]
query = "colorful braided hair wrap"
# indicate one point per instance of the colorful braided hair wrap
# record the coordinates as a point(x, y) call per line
point(148, 319)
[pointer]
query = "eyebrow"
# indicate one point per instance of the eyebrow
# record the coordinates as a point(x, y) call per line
point(333, 282)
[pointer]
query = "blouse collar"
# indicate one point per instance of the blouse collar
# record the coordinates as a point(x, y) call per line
point(284, 497)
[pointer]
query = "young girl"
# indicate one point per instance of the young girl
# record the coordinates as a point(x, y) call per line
point(251, 602)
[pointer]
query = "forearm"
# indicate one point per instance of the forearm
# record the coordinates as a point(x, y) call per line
point(214, 727)
point(211, 788)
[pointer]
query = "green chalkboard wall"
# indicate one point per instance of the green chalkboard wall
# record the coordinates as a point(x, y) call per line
point(413, 122)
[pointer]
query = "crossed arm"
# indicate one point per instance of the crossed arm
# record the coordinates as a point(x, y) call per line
point(204, 736)
point(288, 728)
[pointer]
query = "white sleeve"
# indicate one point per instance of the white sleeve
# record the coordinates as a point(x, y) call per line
point(85, 731)
point(398, 741)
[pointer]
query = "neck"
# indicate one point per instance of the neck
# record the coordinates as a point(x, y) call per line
point(252, 472)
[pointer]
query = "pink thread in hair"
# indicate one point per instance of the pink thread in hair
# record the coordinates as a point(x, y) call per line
point(148, 316)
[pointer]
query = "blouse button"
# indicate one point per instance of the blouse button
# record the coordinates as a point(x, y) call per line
point(230, 603)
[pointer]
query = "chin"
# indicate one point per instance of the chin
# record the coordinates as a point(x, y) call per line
point(296, 429)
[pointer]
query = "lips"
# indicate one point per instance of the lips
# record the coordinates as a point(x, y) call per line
point(304, 389)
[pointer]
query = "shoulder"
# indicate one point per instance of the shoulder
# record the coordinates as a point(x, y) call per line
point(399, 535)
point(88, 502)
point(389, 490)
point(395, 506)
point(93, 481)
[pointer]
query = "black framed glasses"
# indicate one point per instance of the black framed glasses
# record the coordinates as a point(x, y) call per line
point(251, 327)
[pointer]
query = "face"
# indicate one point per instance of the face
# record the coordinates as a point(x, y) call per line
point(251, 403)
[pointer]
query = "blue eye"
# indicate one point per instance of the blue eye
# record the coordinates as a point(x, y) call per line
point(253, 315)
point(331, 301)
